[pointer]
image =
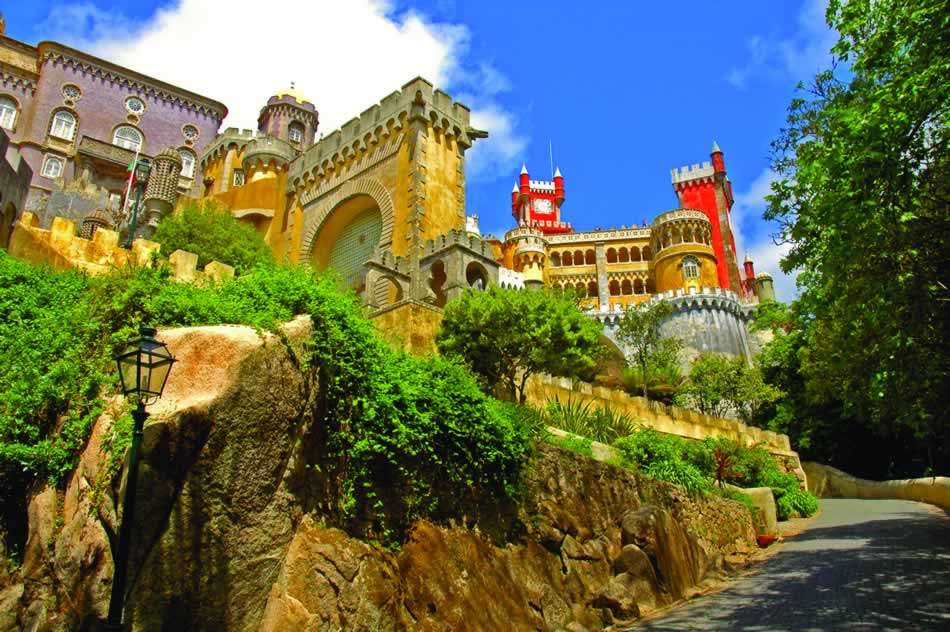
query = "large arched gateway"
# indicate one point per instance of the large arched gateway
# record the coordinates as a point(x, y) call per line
point(348, 237)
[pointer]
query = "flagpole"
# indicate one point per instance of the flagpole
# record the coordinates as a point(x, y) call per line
point(128, 187)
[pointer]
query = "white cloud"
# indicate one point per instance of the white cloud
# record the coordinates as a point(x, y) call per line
point(345, 56)
point(800, 57)
point(766, 255)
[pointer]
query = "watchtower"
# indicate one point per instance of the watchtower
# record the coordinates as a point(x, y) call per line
point(706, 187)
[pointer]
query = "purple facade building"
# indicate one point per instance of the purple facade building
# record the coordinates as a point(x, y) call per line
point(78, 122)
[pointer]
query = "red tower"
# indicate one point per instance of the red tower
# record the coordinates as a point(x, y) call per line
point(537, 203)
point(707, 188)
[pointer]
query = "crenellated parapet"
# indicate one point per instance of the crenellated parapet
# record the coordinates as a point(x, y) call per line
point(230, 138)
point(680, 226)
point(458, 238)
point(61, 248)
point(375, 126)
point(696, 173)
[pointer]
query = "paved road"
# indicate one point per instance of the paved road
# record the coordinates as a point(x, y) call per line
point(862, 565)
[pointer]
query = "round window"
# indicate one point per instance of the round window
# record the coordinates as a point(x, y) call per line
point(190, 132)
point(71, 92)
point(135, 105)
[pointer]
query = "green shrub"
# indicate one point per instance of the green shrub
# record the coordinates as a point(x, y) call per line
point(663, 457)
point(580, 445)
point(210, 232)
point(795, 502)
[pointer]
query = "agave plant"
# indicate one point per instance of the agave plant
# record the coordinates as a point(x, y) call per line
point(582, 418)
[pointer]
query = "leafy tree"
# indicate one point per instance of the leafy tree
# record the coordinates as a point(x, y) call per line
point(506, 336)
point(211, 233)
point(719, 385)
point(639, 332)
point(862, 196)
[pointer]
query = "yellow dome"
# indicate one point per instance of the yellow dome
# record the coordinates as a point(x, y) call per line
point(292, 92)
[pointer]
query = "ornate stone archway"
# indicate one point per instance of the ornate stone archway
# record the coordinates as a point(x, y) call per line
point(317, 212)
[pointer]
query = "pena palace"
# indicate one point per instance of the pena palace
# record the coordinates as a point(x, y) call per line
point(381, 199)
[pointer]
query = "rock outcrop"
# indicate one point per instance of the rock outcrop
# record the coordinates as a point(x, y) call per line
point(229, 533)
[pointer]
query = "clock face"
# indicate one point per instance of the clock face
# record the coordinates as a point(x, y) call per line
point(542, 206)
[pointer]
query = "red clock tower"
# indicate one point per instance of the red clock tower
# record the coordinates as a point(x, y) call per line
point(537, 203)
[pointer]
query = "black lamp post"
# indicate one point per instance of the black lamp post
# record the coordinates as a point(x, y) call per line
point(142, 168)
point(143, 368)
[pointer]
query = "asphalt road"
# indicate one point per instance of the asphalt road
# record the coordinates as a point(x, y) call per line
point(862, 565)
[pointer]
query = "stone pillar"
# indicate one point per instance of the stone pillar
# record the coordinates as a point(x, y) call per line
point(603, 291)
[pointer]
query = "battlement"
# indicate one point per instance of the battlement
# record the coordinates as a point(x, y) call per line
point(692, 173)
point(542, 186)
point(219, 146)
point(417, 99)
point(386, 259)
point(61, 248)
point(458, 238)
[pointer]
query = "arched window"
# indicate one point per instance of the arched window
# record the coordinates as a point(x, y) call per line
point(555, 259)
point(7, 113)
point(578, 258)
point(567, 259)
point(590, 258)
point(638, 286)
point(592, 289)
point(53, 166)
point(624, 255)
point(580, 289)
point(634, 254)
point(614, 288)
point(611, 255)
point(625, 288)
point(128, 137)
point(651, 286)
point(295, 132)
point(690, 268)
point(64, 125)
point(647, 253)
point(187, 163)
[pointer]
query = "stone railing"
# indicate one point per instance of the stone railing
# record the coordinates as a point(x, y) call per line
point(672, 420)
point(61, 248)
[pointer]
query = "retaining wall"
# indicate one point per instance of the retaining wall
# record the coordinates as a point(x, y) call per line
point(827, 482)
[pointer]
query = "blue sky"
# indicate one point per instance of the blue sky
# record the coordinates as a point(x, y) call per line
point(624, 91)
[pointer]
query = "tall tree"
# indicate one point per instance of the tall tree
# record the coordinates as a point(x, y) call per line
point(506, 336)
point(862, 195)
point(639, 331)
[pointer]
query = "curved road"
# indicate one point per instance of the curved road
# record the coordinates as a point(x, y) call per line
point(862, 565)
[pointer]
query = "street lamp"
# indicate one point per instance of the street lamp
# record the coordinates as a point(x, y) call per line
point(142, 168)
point(143, 368)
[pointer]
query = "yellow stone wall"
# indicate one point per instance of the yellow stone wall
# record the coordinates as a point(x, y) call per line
point(410, 326)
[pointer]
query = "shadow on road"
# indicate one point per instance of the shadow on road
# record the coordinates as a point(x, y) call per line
point(864, 565)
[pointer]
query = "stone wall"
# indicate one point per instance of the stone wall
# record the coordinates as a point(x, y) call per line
point(827, 482)
point(59, 247)
point(229, 533)
point(667, 419)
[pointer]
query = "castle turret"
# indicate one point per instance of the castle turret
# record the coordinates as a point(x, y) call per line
point(764, 287)
point(161, 192)
point(558, 186)
point(718, 162)
point(749, 269)
point(290, 117)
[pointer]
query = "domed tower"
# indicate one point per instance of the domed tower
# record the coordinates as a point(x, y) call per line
point(290, 117)
point(161, 192)
point(683, 255)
